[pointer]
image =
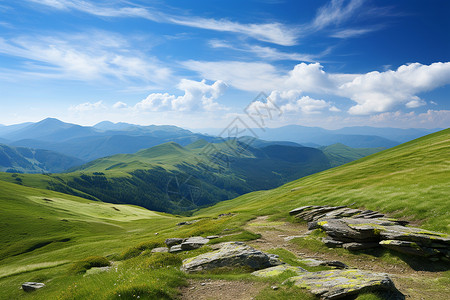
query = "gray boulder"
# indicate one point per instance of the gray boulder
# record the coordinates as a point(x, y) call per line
point(173, 241)
point(232, 254)
point(32, 286)
point(337, 284)
point(194, 243)
point(175, 249)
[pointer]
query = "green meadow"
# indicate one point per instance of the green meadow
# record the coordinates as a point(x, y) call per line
point(55, 238)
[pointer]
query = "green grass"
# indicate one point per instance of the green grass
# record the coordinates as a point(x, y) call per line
point(409, 181)
point(83, 265)
point(174, 179)
point(44, 233)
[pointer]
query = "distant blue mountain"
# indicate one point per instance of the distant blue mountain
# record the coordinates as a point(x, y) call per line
point(107, 138)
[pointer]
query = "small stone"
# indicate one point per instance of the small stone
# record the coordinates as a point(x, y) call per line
point(32, 286)
point(274, 287)
point(211, 237)
point(175, 249)
point(203, 284)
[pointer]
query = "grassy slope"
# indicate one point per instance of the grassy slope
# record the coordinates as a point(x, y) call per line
point(340, 154)
point(41, 238)
point(410, 181)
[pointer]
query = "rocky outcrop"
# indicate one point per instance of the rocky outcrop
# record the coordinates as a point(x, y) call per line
point(355, 229)
point(337, 284)
point(32, 286)
point(232, 254)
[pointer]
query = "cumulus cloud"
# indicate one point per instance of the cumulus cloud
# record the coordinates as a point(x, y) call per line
point(292, 101)
point(88, 106)
point(381, 91)
point(373, 92)
point(119, 105)
point(197, 96)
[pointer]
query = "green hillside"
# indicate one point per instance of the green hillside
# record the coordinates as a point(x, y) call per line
point(27, 160)
point(47, 235)
point(172, 178)
point(410, 181)
point(340, 154)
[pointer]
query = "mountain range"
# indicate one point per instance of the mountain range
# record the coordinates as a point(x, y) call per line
point(356, 137)
point(107, 138)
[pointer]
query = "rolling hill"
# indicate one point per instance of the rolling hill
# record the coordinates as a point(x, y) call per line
point(410, 181)
point(173, 178)
point(26, 160)
point(46, 233)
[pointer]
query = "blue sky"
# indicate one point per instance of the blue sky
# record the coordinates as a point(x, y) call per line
point(200, 64)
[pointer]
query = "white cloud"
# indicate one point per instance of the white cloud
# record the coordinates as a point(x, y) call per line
point(276, 33)
point(88, 56)
point(373, 92)
point(119, 105)
point(348, 33)
point(197, 96)
point(335, 12)
point(429, 119)
point(247, 76)
point(381, 91)
point(292, 101)
point(88, 106)
point(266, 53)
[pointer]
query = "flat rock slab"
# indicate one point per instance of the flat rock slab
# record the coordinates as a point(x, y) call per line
point(160, 250)
point(277, 270)
point(311, 262)
point(194, 243)
point(32, 286)
point(232, 254)
point(175, 249)
point(336, 284)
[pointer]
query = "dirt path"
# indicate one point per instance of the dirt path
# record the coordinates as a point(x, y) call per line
point(208, 289)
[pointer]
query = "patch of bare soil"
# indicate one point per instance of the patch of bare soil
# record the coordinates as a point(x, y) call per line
point(413, 284)
point(207, 289)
